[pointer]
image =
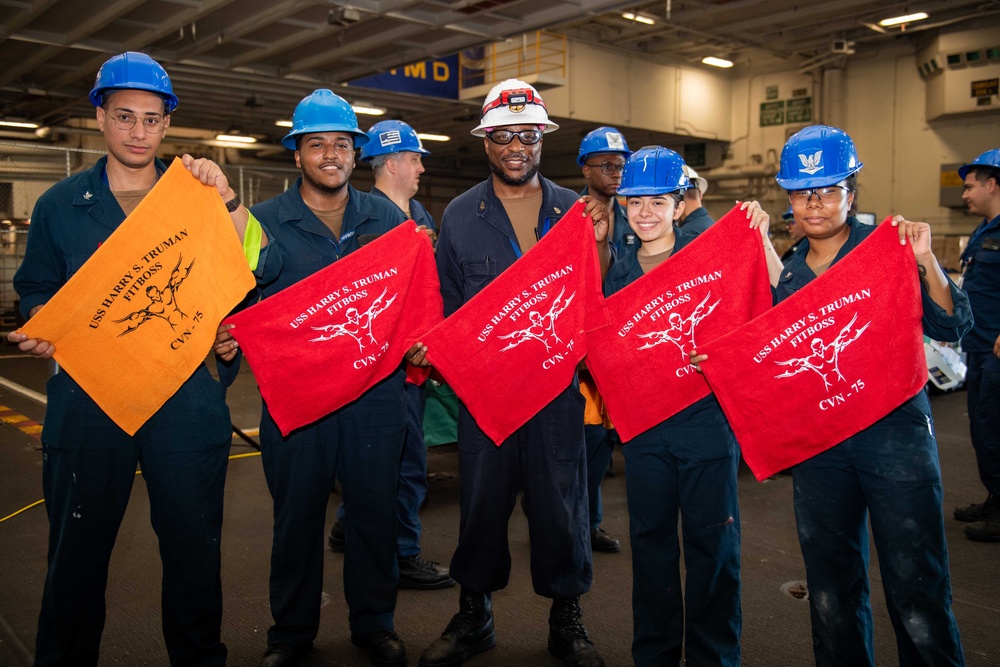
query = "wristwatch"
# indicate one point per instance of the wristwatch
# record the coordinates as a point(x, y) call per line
point(233, 204)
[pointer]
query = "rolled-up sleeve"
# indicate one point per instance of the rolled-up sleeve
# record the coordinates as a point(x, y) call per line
point(941, 326)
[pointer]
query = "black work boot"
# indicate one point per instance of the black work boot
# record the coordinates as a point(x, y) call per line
point(987, 528)
point(568, 639)
point(978, 511)
point(469, 632)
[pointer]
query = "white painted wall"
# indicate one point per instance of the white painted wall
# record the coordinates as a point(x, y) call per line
point(608, 87)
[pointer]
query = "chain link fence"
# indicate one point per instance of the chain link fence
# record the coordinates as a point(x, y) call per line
point(28, 170)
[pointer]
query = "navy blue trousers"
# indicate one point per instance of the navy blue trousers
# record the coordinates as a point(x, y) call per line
point(888, 473)
point(982, 383)
point(89, 467)
point(361, 444)
point(600, 445)
point(546, 460)
point(412, 488)
point(686, 464)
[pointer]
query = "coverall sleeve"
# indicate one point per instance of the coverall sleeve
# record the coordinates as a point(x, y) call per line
point(941, 326)
point(449, 272)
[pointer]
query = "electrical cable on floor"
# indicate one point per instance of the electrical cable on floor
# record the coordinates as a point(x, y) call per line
point(137, 472)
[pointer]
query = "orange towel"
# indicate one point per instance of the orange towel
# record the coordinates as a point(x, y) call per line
point(140, 316)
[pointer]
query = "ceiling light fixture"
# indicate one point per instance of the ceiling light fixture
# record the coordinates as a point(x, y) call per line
point(717, 62)
point(433, 137)
point(899, 20)
point(638, 18)
point(235, 138)
point(19, 124)
point(368, 110)
point(283, 123)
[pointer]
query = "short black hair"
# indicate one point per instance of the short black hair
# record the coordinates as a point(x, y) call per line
point(984, 173)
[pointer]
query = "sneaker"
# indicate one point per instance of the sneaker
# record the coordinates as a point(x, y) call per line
point(978, 511)
point(337, 535)
point(601, 541)
point(415, 572)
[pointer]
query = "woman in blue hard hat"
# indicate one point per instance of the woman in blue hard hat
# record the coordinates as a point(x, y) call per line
point(887, 473)
point(691, 458)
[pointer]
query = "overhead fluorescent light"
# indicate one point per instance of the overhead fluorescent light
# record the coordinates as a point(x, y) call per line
point(638, 18)
point(19, 124)
point(717, 62)
point(433, 137)
point(898, 20)
point(235, 138)
point(368, 111)
point(283, 123)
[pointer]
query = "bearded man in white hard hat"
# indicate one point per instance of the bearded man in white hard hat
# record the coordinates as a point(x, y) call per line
point(483, 232)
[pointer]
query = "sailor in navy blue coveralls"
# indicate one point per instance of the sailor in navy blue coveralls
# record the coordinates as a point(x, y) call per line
point(888, 475)
point(981, 279)
point(360, 444)
point(686, 463)
point(600, 440)
point(545, 458)
point(88, 462)
point(413, 464)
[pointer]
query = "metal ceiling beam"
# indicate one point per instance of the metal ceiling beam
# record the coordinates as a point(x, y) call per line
point(24, 18)
point(239, 28)
point(142, 39)
point(84, 29)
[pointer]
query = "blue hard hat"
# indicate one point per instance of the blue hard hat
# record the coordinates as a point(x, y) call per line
point(324, 111)
point(817, 156)
point(391, 136)
point(602, 140)
point(990, 158)
point(653, 170)
point(133, 71)
point(788, 215)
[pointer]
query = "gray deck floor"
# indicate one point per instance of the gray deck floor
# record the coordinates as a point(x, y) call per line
point(775, 626)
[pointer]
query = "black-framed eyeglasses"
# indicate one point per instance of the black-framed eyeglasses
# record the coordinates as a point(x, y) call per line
point(504, 137)
point(126, 121)
point(827, 194)
point(608, 168)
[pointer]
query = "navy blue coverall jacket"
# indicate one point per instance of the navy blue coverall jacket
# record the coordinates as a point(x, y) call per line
point(89, 463)
point(546, 457)
point(696, 222)
point(981, 279)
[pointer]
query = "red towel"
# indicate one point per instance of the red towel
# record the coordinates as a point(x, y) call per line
point(323, 342)
point(512, 348)
point(641, 362)
point(826, 363)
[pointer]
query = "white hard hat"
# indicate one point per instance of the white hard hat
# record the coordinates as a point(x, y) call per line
point(513, 102)
point(695, 179)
